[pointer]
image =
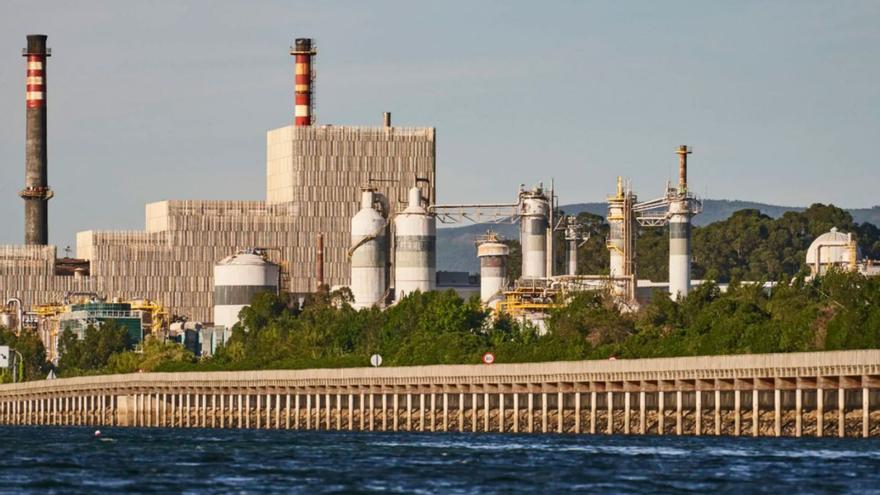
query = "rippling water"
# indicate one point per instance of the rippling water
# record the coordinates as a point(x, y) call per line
point(70, 460)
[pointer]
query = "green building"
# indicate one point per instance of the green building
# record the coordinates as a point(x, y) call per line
point(81, 316)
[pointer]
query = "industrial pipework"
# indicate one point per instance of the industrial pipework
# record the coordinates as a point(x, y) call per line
point(303, 51)
point(36, 192)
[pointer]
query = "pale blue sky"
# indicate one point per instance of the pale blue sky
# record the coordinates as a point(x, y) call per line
point(171, 100)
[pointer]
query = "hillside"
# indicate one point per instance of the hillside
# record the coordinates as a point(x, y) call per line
point(456, 251)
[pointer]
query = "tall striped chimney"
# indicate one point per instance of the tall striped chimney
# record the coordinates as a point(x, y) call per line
point(303, 52)
point(36, 192)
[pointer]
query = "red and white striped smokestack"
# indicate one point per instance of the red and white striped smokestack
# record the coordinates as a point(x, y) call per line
point(36, 192)
point(303, 52)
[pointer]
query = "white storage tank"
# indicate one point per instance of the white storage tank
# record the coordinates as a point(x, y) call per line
point(534, 221)
point(493, 257)
point(369, 253)
point(415, 248)
point(237, 279)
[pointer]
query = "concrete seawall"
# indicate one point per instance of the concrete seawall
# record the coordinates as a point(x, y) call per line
point(817, 394)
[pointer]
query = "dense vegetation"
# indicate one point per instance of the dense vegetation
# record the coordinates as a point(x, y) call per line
point(837, 311)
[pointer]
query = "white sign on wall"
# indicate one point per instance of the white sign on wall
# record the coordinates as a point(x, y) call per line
point(376, 360)
point(4, 356)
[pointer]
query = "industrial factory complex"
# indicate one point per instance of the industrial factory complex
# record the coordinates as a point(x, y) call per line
point(345, 207)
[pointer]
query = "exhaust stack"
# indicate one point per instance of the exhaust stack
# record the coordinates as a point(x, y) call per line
point(303, 52)
point(36, 192)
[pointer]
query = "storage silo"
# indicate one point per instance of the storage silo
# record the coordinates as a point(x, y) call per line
point(493, 256)
point(369, 252)
point(237, 279)
point(415, 248)
point(534, 212)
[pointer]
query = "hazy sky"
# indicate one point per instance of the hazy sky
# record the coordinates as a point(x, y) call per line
point(171, 100)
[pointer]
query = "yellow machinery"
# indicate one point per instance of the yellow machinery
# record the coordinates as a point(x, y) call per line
point(156, 320)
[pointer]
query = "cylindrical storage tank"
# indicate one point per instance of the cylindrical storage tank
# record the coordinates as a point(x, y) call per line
point(415, 248)
point(369, 253)
point(572, 257)
point(679, 249)
point(237, 279)
point(534, 214)
point(493, 257)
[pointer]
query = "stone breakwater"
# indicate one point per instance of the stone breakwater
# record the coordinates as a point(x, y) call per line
point(746, 395)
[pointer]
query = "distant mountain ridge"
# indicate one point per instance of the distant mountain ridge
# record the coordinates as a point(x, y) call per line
point(456, 250)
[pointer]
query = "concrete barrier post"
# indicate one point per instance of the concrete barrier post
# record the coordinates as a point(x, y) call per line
point(610, 398)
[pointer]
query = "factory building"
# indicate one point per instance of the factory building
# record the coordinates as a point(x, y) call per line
point(314, 174)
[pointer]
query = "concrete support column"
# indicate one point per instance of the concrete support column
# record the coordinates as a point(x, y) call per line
point(385, 412)
point(350, 411)
point(756, 414)
point(593, 413)
point(173, 406)
point(297, 407)
point(543, 412)
point(777, 412)
point(396, 408)
point(820, 412)
point(643, 420)
point(661, 413)
point(737, 413)
point(328, 405)
point(204, 410)
point(698, 412)
point(516, 413)
point(258, 416)
point(362, 404)
point(486, 416)
point(866, 413)
point(627, 408)
point(717, 412)
point(678, 418)
point(473, 412)
point(240, 411)
point(610, 398)
point(338, 412)
point(278, 411)
point(318, 411)
point(223, 403)
point(159, 420)
point(560, 414)
point(841, 413)
point(372, 410)
point(433, 412)
point(531, 420)
point(421, 412)
point(461, 412)
point(798, 412)
point(577, 413)
point(501, 413)
point(409, 412)
point(445, 412)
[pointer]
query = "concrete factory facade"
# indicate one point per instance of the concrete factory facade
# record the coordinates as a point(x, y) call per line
point(314, 179)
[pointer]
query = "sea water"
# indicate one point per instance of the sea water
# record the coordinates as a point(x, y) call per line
point(69, 460)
